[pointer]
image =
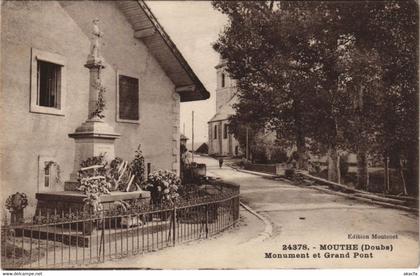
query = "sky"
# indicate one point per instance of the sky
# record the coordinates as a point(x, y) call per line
point(194, 26)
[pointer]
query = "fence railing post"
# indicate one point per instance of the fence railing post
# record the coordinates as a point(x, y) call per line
point(103, 238)
point(207, 221)
point(174, 226)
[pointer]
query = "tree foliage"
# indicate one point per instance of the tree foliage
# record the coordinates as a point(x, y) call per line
point(339, 75)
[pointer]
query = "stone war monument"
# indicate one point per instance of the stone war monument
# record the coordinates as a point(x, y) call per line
point(94, 136)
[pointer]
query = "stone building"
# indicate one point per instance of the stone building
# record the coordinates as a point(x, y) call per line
point(47, 90)
point(220, 141)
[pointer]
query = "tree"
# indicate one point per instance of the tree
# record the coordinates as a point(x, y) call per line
point(383, 68)
point(341, 75)
point(264, 68)
point(396, 37)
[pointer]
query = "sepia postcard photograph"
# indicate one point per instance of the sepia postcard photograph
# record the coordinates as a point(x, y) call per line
point(209, 135)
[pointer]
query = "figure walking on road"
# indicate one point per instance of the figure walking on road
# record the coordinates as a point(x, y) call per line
point(220, 162)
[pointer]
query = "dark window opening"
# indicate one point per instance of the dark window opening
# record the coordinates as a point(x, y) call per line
point(49, 84)
point(223, 80)
point(128, 98)
point(225, 131)
point(215, 132)
point(47, 174)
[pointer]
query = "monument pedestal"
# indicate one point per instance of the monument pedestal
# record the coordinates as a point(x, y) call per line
point(64, 201)
point(93, 138)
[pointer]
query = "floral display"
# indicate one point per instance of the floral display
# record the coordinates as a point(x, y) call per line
point(137, 168)
point(16, 202)
point(163, 186)
point(98, 177)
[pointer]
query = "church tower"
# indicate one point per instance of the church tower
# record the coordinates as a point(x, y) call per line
point(221, 142)
point(226, 87)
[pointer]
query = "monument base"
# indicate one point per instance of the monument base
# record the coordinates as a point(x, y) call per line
point(64, 201)
point(93, 138)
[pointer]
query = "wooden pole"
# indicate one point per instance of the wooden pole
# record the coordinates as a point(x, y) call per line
point(192, 137)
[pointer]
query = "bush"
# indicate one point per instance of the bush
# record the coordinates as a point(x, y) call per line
point(278, 155)
point(163, 186)
point(244, 162)
point(289, 173)
point(314, 168)
point(259, 154)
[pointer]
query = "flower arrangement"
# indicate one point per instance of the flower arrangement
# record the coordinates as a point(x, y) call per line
point(97, 177)
point(137, 167)
point(93, 182)
point(163, 186)
point(16, 202)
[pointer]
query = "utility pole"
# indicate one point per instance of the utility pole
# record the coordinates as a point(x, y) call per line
point(192, 137)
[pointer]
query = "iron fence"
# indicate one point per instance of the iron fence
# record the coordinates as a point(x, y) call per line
point(74, 238)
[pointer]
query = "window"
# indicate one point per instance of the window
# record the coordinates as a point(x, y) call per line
point(128, 99)
point(48, 79)
point(223, 80)
point(225, 131)
point(215, 132)
point(48, 83)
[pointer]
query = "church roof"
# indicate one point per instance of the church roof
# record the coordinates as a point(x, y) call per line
point(147, 28)
point(225, 111)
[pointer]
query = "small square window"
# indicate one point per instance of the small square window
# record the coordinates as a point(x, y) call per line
point(128, 99)
point(48, 83)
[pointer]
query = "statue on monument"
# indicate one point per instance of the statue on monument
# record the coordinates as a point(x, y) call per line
point(95, 55)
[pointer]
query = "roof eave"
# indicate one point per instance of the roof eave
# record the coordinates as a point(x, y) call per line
point(200, 92)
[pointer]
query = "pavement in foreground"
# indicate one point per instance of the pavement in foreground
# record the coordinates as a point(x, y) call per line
point(300, 217)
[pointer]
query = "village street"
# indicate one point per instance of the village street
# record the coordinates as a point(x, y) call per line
point(297, 215)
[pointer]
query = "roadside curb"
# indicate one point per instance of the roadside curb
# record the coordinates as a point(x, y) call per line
point(389, 205)
point(268, 230)
point(254, 173)
point(384, 204)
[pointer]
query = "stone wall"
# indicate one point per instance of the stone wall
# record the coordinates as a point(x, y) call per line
point(64, 28)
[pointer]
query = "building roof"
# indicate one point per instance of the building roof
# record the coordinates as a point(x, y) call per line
point(147, 28)
point(204, 148)
point(225, 111)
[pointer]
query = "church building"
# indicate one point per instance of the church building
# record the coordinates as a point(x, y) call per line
point(220, 141)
